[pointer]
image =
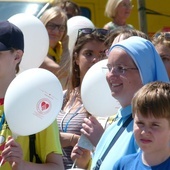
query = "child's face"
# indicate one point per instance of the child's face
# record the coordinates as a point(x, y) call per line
point(152, 134)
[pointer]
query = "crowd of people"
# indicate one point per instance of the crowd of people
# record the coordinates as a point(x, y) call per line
point(137, 74)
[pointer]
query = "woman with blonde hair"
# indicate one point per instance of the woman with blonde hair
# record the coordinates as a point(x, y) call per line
point(118, 11)
point(58, 58)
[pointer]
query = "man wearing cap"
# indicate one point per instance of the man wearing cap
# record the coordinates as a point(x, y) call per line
point(15, 154)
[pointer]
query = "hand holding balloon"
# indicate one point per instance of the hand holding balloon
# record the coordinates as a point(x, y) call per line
point(13, 149)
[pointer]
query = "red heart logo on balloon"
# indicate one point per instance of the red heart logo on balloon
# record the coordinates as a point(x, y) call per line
point(44, 106)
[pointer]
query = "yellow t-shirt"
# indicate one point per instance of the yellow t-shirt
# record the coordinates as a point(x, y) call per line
point(47, 141)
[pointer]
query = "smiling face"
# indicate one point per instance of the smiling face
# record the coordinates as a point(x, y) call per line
point(123, 86)
point(152, 134)
point(90, 53)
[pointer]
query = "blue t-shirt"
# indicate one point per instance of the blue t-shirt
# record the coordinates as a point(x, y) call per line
point(134, 162)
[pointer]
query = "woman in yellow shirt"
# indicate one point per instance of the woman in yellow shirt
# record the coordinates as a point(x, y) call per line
point(58, 59)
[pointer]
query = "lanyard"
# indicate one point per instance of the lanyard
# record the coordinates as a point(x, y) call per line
point(67, 123)
point(2, 121)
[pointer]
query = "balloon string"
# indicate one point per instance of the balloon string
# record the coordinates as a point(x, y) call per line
point(74, 164)
point(14, 136)
point(2, 161)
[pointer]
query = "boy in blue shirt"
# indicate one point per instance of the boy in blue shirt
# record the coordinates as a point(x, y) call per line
point(151, 112)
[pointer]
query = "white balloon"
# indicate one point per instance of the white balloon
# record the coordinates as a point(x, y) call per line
point(36, 40)
point(32, 101)
point(96, 94)
point(73, 25)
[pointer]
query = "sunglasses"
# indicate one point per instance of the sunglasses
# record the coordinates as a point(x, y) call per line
point(90, 31)
point(162, 35)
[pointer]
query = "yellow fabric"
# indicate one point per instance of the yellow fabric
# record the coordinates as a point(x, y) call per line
point(111, 119)
point(107, 121)
point(47, 141)
point(57, 52)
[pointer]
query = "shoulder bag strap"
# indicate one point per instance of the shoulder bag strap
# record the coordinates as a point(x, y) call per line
point(120, 131)
point(32, 149)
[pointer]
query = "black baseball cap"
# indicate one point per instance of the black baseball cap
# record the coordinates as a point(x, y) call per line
point(10, 37)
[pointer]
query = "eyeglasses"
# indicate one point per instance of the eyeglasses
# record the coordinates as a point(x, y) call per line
point(90, 31)
point(164, 35)
point(53, 26)
point(118, 69)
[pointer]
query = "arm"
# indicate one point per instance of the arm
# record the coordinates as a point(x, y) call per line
point(92, 129)
point(13, 154)
point(50, 65)
point(68, 139)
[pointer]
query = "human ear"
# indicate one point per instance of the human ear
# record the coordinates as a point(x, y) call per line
point(76, 58)
point(18, 55)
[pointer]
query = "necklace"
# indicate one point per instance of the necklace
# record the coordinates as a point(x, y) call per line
point(73, 99)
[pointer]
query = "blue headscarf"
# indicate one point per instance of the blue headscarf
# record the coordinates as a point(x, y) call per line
point(146, 58)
